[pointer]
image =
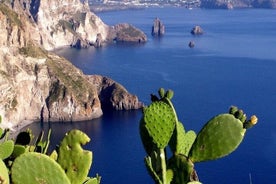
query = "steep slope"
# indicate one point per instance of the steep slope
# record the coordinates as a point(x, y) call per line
point(36, 84)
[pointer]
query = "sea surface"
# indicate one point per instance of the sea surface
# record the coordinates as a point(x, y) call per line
point(232, 63)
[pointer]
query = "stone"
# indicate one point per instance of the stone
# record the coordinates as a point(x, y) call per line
point(191, 44)
point(127, 33)
point(113, 95)
point(197, 30)
point(158, 29)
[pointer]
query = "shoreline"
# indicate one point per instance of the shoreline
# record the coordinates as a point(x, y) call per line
point(15, 130)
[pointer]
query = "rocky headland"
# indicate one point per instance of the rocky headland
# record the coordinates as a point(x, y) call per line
point(36, 84)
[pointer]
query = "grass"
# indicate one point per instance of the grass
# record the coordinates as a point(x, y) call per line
point(13, 17)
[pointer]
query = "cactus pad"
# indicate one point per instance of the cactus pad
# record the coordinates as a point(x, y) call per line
point(4, 174)
point(182, 168)
point(6, 149)
point(73, 159)
point(182, 142)
point(219, 137)
point(19, 150)
point(159, 119)
point(33, 168)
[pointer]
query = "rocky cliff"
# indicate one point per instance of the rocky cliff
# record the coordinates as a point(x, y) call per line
point(66, 22)
point(36, 84)
point(114, 95)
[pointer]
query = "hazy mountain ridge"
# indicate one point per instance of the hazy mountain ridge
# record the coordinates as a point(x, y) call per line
point(104, 5)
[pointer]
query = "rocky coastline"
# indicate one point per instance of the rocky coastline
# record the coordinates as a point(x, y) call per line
point(108, 5)
point(38, 85)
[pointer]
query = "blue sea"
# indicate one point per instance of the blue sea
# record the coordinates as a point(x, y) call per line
point(232, 63)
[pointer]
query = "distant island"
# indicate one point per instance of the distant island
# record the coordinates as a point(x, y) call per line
point(110, 5)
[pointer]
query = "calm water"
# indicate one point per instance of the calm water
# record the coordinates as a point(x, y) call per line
point(233, 63)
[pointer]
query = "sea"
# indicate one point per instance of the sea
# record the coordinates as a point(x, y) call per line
point(232, 63)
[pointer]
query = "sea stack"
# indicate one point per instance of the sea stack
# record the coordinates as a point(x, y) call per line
point(158, 29)
point(197, 30)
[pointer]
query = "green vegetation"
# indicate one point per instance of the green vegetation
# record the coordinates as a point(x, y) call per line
point(66, 26)
point(131, 31)
point(25, 160)
point(160, 128)
point(13, 17)
point(34, 51)
point(69, 81)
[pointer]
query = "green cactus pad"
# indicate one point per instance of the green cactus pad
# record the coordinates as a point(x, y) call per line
point(19, 150)
point(152, 165)
point(6, 149)
point(33, 168)
point(73, 159)
point(159, 119)
point(96, 180)
point(1, 132)
point(4, 174)
point(182, 142)
point(219, 137)
point(182, 168)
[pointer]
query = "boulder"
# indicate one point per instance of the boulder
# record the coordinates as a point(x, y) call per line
point(191, 44)
point(158, 29)
point(197, 30)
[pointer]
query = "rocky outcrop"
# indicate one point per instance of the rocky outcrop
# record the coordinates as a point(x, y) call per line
point(113, 95)
point(191, 44)
point(127, 33)
point(69, 22)
point(197, 30)
point(158, 29)
point(62, 23)
point(36, 84)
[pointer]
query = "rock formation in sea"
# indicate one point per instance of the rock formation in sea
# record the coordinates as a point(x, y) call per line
point(197, 30)
point(158, 28)
point(191, 44)
point(114, 95)
point(127, 33)
point(36, 84)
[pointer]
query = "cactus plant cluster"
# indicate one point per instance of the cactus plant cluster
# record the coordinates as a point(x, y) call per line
point(160, 129)
point(25, 160)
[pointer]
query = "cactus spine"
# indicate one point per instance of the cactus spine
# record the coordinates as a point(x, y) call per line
point(160, 128)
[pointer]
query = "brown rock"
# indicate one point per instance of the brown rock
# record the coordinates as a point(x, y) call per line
point(113, 95)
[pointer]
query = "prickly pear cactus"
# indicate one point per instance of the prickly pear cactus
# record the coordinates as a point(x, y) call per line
point(182, 142)
point(95, 180)
point(19, 150)
point(159, 121)
point(219, 137)
point(33, 168)
point(182, 168)
point(4, 174)
point(73, 159)
point(6, 149)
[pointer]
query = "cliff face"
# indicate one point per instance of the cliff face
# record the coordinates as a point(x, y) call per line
point(36, 84)
point(62, 22)
point(65, 22)
point(113, 95)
